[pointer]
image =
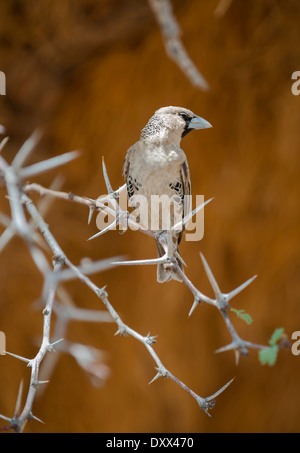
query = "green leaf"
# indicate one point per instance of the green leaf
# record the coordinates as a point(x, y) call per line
point(276, 336)
point(268, 356)
point(242, 315)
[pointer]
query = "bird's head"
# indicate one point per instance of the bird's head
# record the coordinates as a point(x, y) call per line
point(171, 124)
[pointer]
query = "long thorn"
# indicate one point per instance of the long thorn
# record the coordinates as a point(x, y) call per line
point(33, 417)
point(19, 399)
point(228, 347)
point(218, 392)
point(110, 227)
point(106, 178)
point(240, 288)
point(47, 165)
point(155, 377)
point(7, 419)
point(51, 345)
point(211, 278)
point(177, 254)
point(183, 222)
point(193, 307)
point(18, 357)
point(91, 212)
point(3, 143)
point(6, 236)
point(26, 149)
point(163, 259)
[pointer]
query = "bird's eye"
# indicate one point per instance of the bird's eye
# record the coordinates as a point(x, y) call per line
point(184, 116)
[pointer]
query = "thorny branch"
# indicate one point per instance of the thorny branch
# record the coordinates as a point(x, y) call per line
point(221, 301)
point(170, 31)
point(19, 421)
point(63, 270)
point(12, 175)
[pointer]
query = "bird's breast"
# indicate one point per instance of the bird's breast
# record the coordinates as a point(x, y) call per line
point(163, 157)
point(155, 170)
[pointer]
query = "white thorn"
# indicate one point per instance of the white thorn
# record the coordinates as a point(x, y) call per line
point(106, 178)
point(183, 222)
point(155, 377)
point(211, 278)
point(91, 212)
point(141, 262)
point(26, 149)
point(110, 227)
point(3, 143)
point(240, 288)
point(47, 165)
point(218, 392)
point(193, 307)
point(18, 357)
point(19, 399)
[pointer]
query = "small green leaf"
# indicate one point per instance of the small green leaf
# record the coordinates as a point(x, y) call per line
point(268, 356)
point(242, 315)
point(276, 336)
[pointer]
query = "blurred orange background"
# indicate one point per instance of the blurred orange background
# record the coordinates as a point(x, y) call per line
point(90, 73)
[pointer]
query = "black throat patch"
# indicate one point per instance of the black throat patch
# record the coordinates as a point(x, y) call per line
point(187, 128)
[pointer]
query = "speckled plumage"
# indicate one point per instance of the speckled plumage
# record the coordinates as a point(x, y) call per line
point(156, 165)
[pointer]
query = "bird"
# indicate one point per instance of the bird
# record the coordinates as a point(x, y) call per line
point(157, 166)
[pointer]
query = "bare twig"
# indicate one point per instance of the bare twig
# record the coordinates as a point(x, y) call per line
point(170, 31)
point(46, 346)
point(20, 225)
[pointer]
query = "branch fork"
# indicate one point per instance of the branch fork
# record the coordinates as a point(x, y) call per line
point(64, 269)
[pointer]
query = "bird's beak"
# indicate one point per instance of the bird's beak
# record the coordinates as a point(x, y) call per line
point(198, 123)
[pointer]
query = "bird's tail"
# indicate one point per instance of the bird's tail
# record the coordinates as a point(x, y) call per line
point(165, 274)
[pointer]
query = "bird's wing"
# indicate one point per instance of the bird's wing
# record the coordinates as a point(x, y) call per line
point(185, 192)
point(125, 167)
point(132, 185)
point(186, 186)
point(125, 173)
